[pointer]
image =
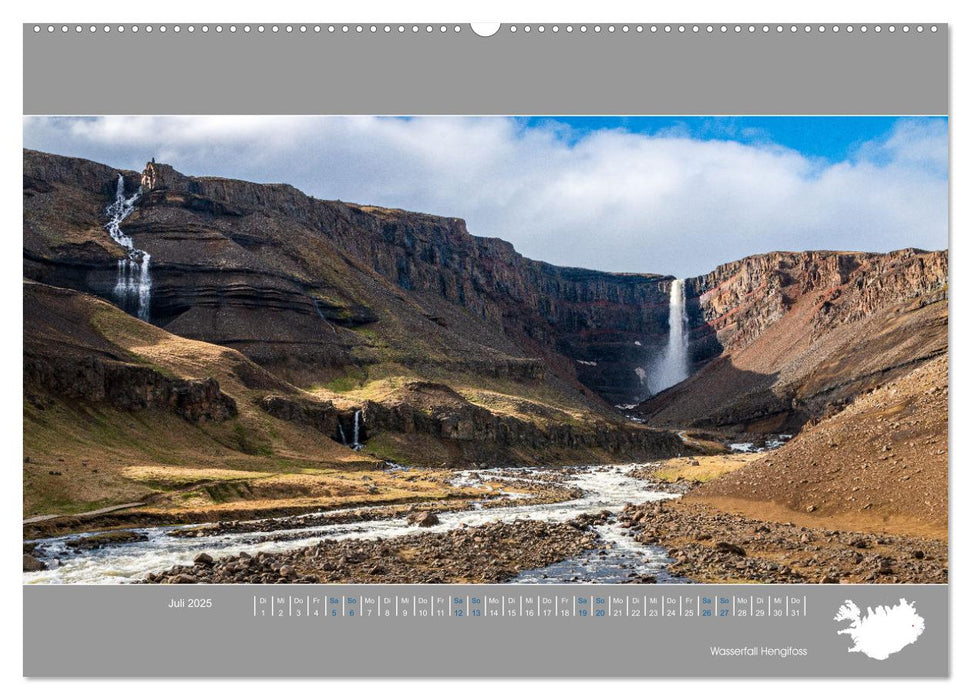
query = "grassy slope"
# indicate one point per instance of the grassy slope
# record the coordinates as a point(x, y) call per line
point(81, 456)
point(103, 456)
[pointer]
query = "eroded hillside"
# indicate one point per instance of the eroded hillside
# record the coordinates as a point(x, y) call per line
point(801, 334)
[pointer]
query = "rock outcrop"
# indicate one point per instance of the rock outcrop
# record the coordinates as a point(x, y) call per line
point(316, 290)
point(286, 279)
point(129, 387)
point(66, 357)
point(477, 434)
point(799, 335)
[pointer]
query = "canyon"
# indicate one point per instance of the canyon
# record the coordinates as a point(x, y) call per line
point(250, 329)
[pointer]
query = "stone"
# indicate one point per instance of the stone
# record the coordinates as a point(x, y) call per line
point(729, 548)
point(32, 563)
point(423, 519)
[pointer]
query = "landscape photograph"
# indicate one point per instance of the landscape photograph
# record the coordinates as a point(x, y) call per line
point(485, 350)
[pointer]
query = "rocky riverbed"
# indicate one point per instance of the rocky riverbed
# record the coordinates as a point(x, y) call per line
point(490, 553)
point(531, 500)
point(707, 545)
point(539, 494)
point(595, 524)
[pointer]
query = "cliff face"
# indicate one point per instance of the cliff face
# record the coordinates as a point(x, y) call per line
point(802, 334)
point(288, 279)
point(473, 433)
point(129, 387)
point(319, 291)
point(68, 359)
point(738, 301)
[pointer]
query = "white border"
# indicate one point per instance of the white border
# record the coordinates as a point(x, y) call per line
point(385, 11)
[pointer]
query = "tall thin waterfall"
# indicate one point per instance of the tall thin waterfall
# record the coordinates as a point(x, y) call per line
point(673, 366)
point(357, 431)
point(356, 443)
point(133, 288)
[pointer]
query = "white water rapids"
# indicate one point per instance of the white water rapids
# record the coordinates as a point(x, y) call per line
point(133, 288)
point(604, 488)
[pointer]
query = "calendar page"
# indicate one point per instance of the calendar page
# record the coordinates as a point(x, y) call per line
point(485, 350)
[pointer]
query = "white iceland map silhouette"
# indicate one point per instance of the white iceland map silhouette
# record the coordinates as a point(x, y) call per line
point(884, 630)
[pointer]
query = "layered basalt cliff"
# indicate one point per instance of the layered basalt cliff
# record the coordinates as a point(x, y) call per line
point(802, 334)
point(316, 291)
point(475, 433)
point(286, 279)
point(738, 301)
point(67, 359)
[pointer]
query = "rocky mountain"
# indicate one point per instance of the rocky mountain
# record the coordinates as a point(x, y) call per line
point(796, 336)
point(308, 288)
point(274, 318)
point(109, 399)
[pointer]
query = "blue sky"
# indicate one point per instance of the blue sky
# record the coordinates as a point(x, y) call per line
point(832, 138)
point(670, 195)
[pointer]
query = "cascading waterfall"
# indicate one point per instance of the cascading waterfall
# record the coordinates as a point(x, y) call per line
point(357, 431)
point(356, 443)
point(673, 366)
point(133, 289)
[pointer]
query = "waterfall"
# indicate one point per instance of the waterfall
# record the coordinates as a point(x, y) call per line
point(357, 430)
point(356, 444)
point(673, 366)
point(133, 288)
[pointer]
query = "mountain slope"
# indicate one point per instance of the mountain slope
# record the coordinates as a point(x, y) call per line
point(801, 334)
point(881, 464)
point(107, 397)
point(117, 410)
point(308, 288)
point(279, 322)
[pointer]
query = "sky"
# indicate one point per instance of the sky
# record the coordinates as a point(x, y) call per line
point(667, 195)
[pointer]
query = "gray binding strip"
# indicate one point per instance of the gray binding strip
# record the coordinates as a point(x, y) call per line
point(459, 72)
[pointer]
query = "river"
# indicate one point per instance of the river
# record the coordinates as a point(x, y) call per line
point(604, 487)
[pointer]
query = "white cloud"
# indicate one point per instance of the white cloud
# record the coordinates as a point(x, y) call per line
point(610, 200)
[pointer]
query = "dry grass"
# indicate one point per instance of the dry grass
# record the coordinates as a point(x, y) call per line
point(869, 521)
point(703, 468)
point(321, 489)
point(178, 477)
point(527, 400)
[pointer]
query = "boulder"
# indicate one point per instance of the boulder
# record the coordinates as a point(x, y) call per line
point(423, 519)
point(32, 563)
point(729, 548)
